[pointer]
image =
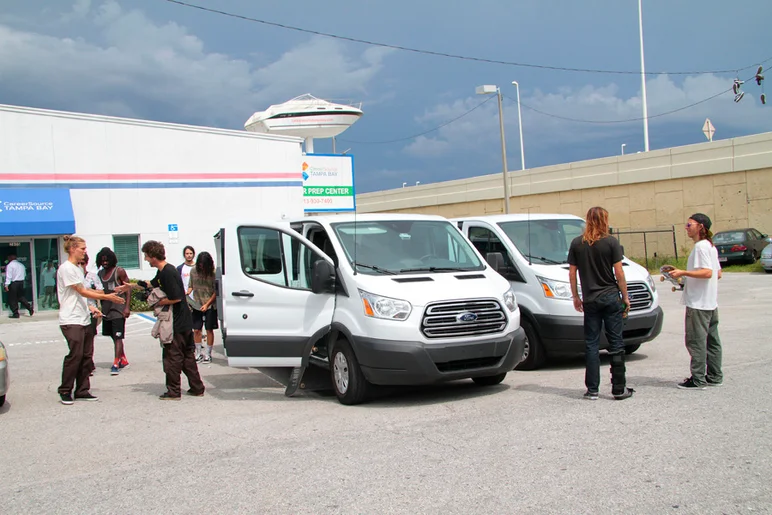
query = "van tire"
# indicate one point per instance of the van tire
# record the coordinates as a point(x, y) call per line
point(534, 351)
point(489, 380)
point(632, 348)
point(2, 400)
point(348, 381)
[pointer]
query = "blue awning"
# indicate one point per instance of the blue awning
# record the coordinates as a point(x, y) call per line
point(36, 211)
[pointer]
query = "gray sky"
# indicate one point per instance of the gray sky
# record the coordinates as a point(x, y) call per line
point(156, 60)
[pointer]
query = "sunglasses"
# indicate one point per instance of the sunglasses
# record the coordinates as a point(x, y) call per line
point(689, 224)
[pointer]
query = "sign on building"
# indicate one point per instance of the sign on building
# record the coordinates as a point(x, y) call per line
point(328, 183)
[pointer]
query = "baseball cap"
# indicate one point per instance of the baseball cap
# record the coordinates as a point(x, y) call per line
point(701, 219)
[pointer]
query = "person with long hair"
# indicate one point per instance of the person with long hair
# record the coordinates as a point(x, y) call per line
point(91, 282)
point(201, 288)
point(74, 322)
point(700, 296)
point(114, 319)
point(597, 256)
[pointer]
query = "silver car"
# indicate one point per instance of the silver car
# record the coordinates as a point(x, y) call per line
point(766, 259)
point(4, 380)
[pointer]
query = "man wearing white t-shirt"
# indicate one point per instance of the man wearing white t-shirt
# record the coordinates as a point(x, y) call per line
point(701, 299)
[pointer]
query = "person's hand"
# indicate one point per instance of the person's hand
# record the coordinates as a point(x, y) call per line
point(676, 273)
point(205, 307)
point(95, 311)
point(123, 288)
point(5, 288)
point(578, 304)
point(626, 300)
point(117, 299)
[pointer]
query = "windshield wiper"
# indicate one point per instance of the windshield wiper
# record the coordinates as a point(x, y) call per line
point(376, 268)
point(435, 269)
point(546, 260)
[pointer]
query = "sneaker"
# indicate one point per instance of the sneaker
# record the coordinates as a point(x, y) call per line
point(689, 384)
point(166, 396)
point(114, 370)
point(123, 364)
point(624, 395)
point(86, 397)
point(195, 394)
point(31, 311)
point(14, 316)
point(206, 359)
point(711, 383)
point(199, 358)
point(66, 399)
point(591, 396)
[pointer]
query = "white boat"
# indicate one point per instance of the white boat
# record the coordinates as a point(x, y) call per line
point(305, 116)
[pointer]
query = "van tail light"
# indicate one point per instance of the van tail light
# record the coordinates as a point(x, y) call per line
point(739, 248)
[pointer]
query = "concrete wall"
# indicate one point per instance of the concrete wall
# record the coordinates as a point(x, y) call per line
point(729, 180)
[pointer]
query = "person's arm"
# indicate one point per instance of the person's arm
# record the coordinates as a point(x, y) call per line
point(174, 291)
point(622, 283)
point(124, 278)
point(209, 302)
point(574, 288)
point(94, 294)
point(702, 273)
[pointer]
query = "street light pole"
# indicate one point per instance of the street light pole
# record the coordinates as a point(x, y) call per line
point(484, 90)
point(520, 124)
point(643, 83)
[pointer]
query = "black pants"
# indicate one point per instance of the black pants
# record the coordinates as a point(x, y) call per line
point(76, 367)
point(15, 296)
point(180, 356)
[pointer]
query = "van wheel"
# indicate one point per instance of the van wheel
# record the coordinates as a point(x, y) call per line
point(489, 380)
point(533, 354)
point(347, 378)
point(632, 348)
point(2, 400)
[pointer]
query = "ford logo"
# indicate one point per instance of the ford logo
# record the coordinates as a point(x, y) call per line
point(466, 317)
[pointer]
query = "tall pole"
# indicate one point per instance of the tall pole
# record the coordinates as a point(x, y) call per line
point(520, 123)
point(503, 153)
point(643, 83)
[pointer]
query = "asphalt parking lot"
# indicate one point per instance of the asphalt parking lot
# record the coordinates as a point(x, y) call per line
point(529, 445)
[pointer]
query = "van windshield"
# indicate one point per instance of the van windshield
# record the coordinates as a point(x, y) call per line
point(544, 241)
point(406, 246)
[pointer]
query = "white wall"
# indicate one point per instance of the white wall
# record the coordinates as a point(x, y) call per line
point(136, 177)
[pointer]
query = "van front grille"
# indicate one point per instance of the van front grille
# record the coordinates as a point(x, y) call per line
point(640, 296)
point(463, 318)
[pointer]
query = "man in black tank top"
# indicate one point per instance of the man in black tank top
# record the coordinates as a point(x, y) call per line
point(114, 315)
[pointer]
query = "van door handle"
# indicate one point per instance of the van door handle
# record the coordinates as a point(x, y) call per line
point(242, 294)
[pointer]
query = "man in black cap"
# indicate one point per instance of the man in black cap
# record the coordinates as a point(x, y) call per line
point(701, 299)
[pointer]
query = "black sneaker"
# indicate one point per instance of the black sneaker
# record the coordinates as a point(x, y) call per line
point(624, 395)
point(166, 396)
point(66, 399)
point(86, 397)
point(193, 393)
point(14, 316)
point(689, 384)
point(31, 311)
point(590, 396)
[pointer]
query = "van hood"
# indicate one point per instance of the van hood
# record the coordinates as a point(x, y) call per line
point(633, 271)
point(421, 289)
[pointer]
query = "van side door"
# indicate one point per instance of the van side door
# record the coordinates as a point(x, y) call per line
point(271, 315)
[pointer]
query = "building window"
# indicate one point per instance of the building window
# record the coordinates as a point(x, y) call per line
point(126, 247)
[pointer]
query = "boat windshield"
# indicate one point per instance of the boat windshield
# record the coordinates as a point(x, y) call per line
point(406, 246)
point(544, 241)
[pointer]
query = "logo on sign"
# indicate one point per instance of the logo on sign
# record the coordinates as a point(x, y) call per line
point(466, 317)
point(25, 206)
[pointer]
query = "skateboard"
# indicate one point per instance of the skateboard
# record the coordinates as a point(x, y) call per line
point(678, 284)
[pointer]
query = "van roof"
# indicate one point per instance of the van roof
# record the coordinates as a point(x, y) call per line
point(517, 217)
point(369, 217)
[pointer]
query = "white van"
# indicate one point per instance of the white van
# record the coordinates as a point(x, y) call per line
point(376, 299)
point(535, 252)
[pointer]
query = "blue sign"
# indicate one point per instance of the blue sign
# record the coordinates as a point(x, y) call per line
point(173, 228)
point(35, 211)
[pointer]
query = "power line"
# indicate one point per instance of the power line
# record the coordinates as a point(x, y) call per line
point(442, 54)
point(683, 108)
point(422, 133)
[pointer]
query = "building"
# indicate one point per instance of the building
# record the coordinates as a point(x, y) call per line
point(119, 182)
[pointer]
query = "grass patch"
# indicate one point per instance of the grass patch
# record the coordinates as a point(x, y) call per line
point(656, 263)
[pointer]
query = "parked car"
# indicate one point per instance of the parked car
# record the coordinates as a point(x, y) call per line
point(739, 245)
point(4, 380)
point(766, 259)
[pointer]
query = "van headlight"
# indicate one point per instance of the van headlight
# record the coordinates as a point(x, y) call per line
point(555, 289)
point(384, 307)
point(650, 280)
point(510, 301)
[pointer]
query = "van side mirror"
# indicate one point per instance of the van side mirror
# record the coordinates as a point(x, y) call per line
point(496, 262)
point(322, 277)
